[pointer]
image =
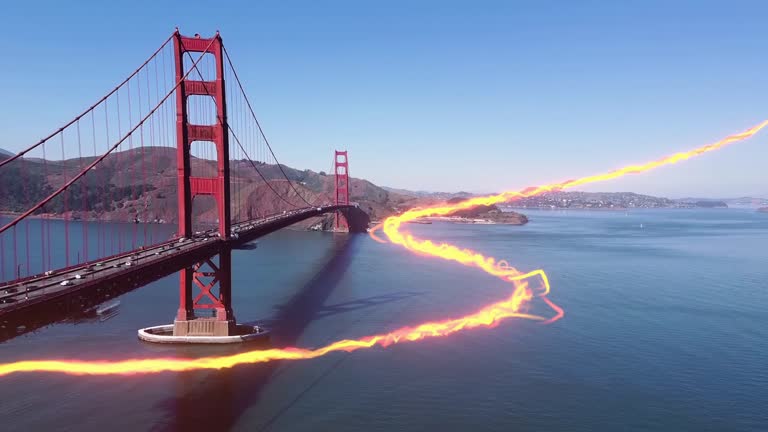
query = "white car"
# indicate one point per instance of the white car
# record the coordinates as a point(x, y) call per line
point(65, 283)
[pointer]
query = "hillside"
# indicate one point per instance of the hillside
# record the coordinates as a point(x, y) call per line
point(123, 188)
point(429, 195)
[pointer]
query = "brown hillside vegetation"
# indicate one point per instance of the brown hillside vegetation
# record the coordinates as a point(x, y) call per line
point(141, 184)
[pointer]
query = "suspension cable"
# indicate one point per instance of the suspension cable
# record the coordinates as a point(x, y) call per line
point(234, 135)
point(102, 157)
point(92, 107)
point(261, 131)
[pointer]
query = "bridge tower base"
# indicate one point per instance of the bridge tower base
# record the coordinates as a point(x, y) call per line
point(209, 313)
point(164, 334)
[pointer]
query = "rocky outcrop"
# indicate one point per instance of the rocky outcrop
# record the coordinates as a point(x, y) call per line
point(488, 212)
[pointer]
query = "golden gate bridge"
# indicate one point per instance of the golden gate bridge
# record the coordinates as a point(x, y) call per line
point(182, 117)
point(209, 313)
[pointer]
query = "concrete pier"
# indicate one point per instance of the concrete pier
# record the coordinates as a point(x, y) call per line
point(241, 333)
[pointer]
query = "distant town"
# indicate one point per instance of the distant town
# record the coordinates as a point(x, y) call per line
point(609, 200)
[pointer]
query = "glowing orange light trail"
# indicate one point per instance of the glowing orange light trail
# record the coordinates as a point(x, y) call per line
point(512, 307)
point(488, 316)
point(468, 257)
point(533, 191)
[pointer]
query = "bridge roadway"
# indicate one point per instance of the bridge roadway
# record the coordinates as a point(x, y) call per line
point(121, 273)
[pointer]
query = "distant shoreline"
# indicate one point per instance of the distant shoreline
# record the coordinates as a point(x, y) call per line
point(468, 221)
point(611, 209)
point(55, 216)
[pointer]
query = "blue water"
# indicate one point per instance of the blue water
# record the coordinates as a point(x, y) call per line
point(665, 330)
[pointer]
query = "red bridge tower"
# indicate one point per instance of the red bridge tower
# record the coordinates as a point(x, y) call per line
point(341, 170)
point(208, 313)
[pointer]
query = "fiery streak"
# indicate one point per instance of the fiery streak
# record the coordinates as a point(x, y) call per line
point(488, 316)
point(468, 257)
point(512, 307)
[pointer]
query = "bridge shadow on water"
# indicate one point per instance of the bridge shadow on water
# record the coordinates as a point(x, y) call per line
point(216, 400)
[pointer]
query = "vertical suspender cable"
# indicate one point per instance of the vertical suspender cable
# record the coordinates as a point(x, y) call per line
point(65, 201)
point(84, 192)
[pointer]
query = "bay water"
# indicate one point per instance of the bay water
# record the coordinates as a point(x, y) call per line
point(665, 329)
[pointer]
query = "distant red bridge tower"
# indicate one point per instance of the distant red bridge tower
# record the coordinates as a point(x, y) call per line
point(341, 170)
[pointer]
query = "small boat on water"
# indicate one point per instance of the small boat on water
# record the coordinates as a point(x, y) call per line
point(248, 246)
point(108, 308)
point(100, 312)
point(419, 221)
point(106, 311)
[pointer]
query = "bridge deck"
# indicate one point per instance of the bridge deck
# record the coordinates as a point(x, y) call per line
point(136, 268)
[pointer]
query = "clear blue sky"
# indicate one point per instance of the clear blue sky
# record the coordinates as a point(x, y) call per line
point(437, 95)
